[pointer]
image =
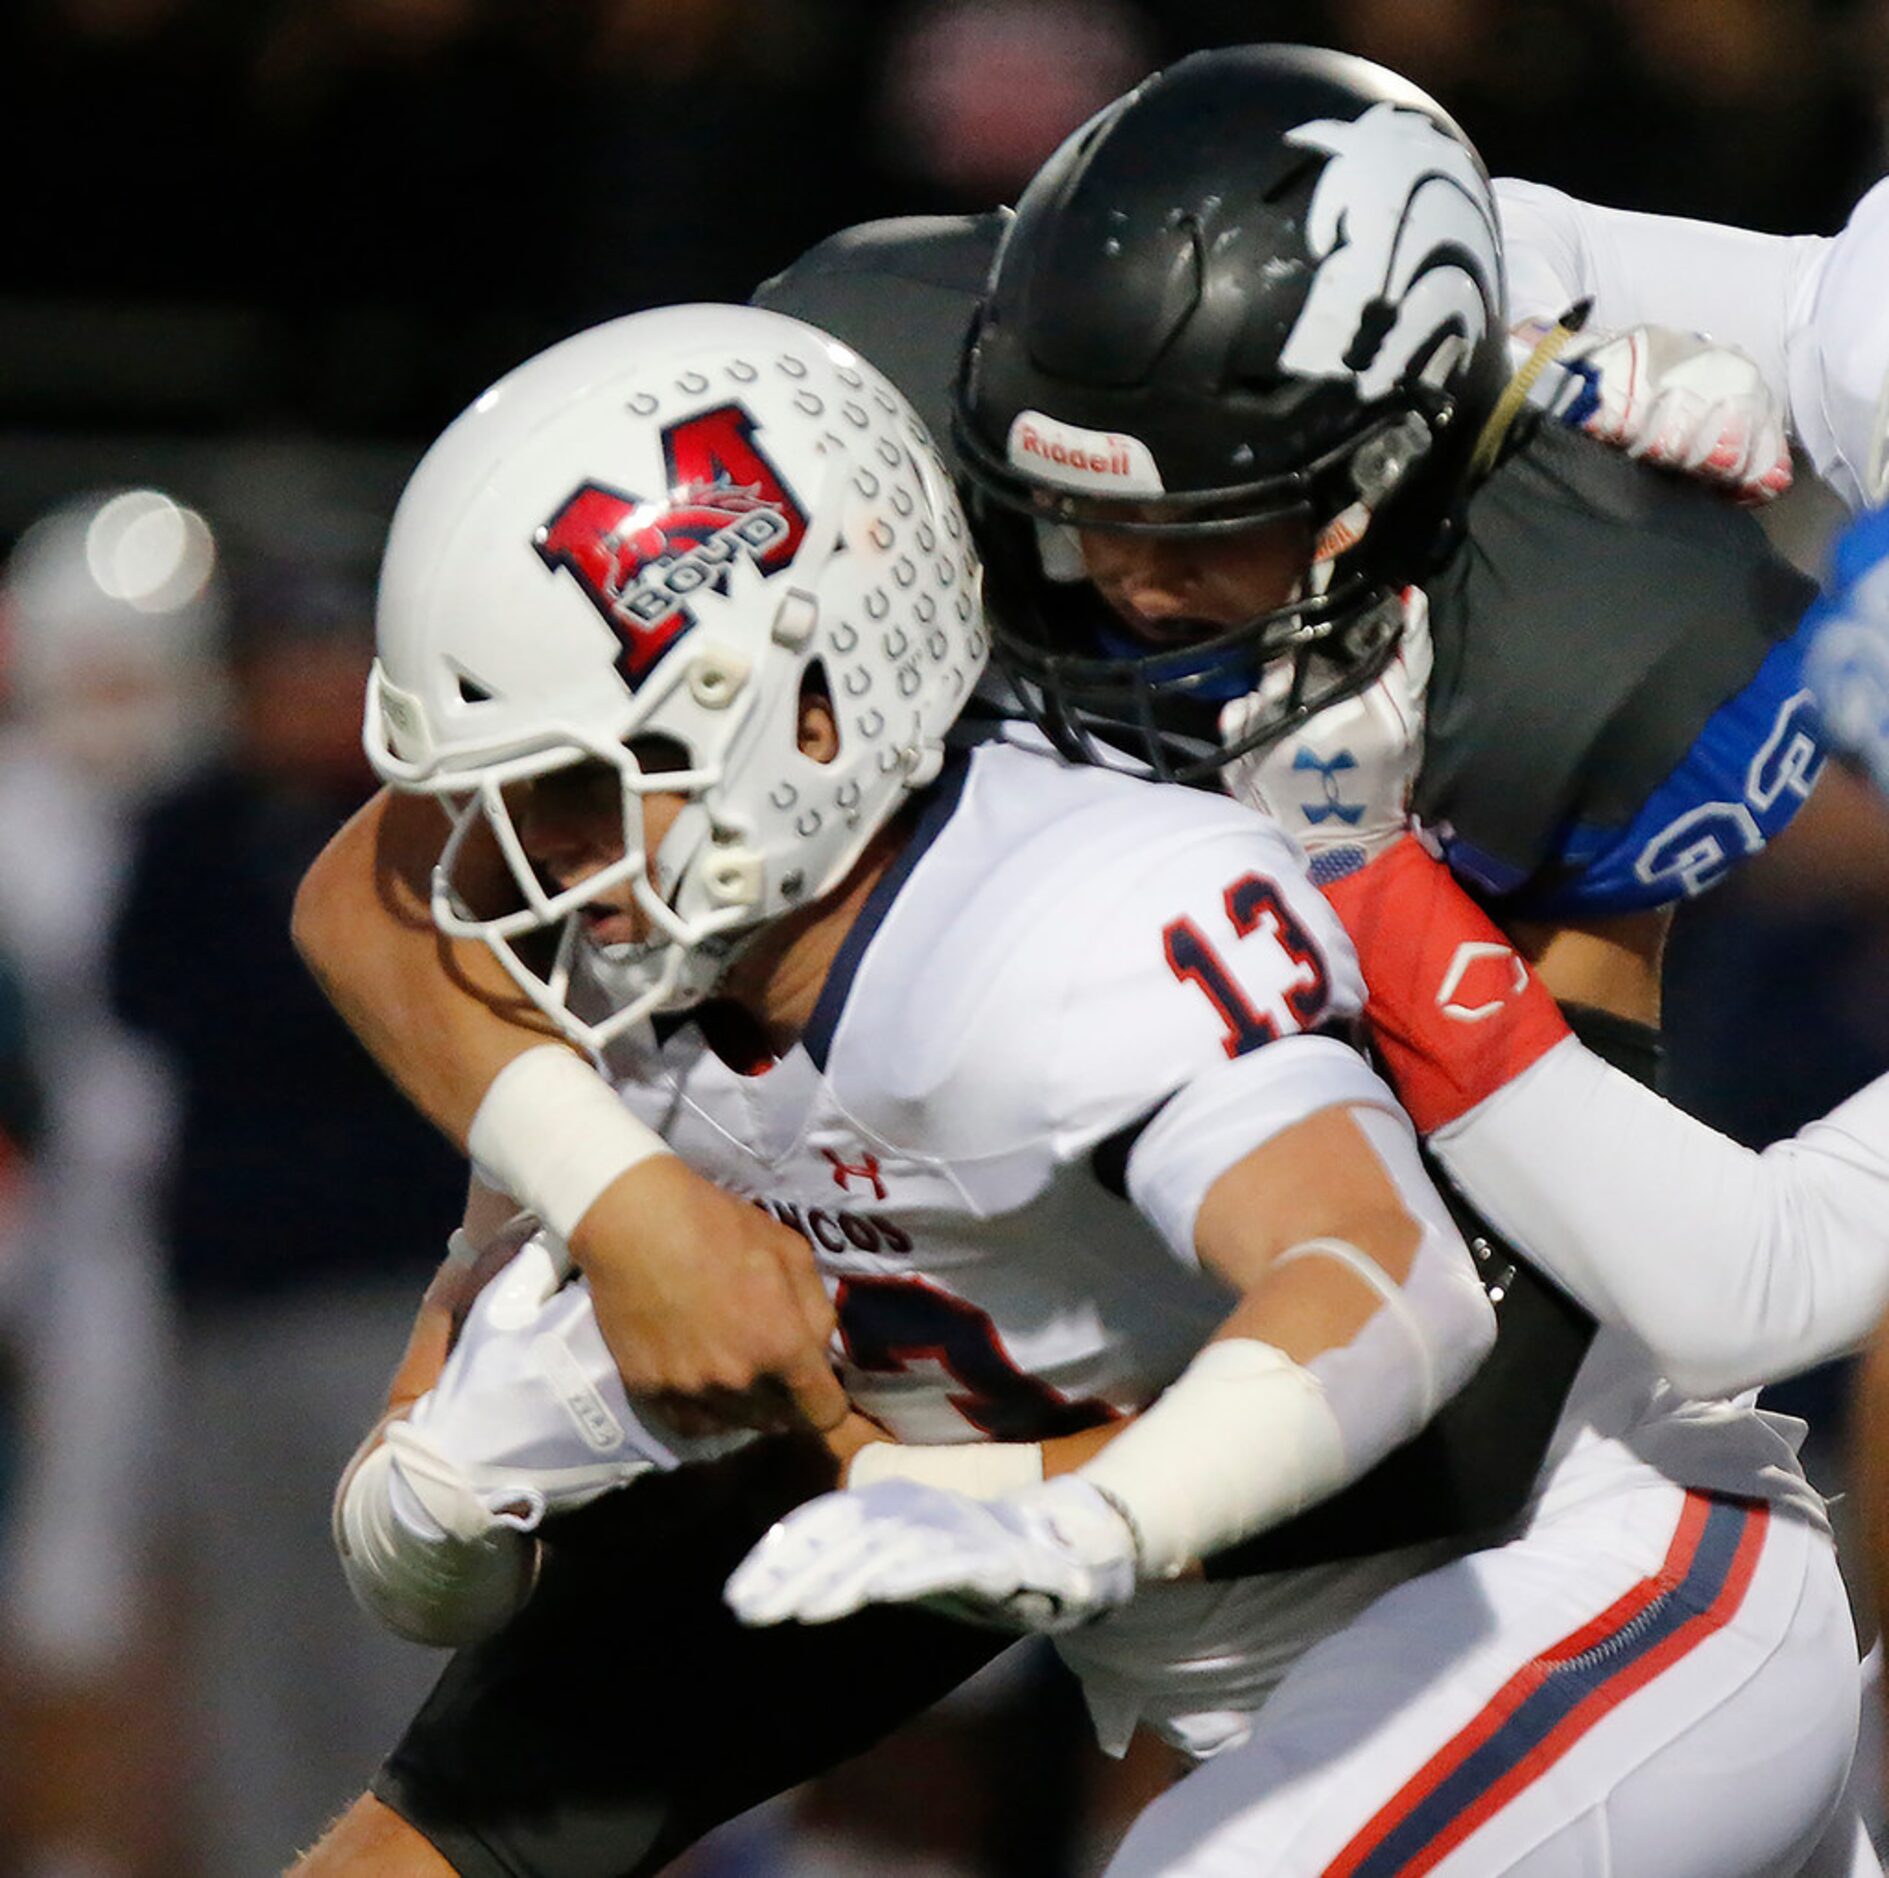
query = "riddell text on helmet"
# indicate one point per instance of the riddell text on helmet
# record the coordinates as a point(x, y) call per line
point(1034, 443)
point(1084, 457)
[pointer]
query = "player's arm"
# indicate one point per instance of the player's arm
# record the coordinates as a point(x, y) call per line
point(1735, 1267)
point(1357, 1313)
point(1745, 289)
point(702, 1299)
point(1805, 308)
point(1673, 313)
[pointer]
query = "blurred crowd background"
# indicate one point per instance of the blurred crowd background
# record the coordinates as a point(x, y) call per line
point(256, 253)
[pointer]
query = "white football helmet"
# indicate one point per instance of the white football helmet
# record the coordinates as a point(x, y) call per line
point(673, 525)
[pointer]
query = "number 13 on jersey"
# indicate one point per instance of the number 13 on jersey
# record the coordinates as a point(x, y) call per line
point(1279, 983)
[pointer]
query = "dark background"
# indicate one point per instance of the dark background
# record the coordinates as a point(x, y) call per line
point(339, 219)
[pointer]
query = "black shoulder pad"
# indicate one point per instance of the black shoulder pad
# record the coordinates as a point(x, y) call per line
point(1593, 616)
point(901, 293)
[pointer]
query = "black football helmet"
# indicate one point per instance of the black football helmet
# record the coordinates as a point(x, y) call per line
point(1267, 283)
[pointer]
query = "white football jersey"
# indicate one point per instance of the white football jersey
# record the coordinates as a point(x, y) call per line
point(1054, 954)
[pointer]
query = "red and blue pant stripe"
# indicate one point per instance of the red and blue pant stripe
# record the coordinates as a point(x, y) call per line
point(1556, 1697)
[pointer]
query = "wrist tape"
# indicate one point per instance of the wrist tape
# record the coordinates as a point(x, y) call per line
point(982, 1470)
point(552, 1134)
point(1241, 1440)
point(1454, 1011)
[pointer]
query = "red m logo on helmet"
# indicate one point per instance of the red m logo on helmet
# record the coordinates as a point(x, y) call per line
point(638, 559)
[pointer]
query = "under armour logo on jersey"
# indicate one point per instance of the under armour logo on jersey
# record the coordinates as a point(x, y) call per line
point(1482, 977)
point(846, 1172)
point(1329, 770)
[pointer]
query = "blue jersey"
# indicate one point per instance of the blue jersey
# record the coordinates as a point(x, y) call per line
point(1736, 788)
point(1618, 713)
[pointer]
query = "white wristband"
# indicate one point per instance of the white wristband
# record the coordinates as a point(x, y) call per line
point(552, 1134)
point(1242, 1439)
point(981, 1470)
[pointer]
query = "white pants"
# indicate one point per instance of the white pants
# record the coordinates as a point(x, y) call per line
point(1663, 1685)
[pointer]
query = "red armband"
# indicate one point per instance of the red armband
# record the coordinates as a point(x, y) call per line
point(1454, 1010)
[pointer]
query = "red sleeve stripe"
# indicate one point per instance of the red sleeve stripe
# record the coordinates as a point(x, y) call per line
point(1454, 1011)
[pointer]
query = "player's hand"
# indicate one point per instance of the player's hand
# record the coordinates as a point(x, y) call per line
point(1340, 784)
point(530, 1413)
point(1679, 400)
point(713, 1310)
point(1847, 665)
point(1046, 1558)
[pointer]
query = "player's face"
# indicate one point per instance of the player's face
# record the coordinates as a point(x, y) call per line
point(570, 824)
point(1170, 590)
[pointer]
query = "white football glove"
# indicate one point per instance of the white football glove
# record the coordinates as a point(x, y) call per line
point(528, 1418)
point(1340, 784)
point(530, 1409)
point(1847, 665)
point(1045, 1558)
point(1676, 399)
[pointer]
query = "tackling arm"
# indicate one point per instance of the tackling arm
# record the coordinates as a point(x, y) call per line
point(1806, 308)
point(1746, 290)
point(743, 1329)
point(1734, 1267)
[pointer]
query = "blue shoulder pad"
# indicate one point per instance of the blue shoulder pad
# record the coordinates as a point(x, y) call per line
point(1747, 773)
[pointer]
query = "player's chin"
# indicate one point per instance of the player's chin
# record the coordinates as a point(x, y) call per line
point(1167, 634)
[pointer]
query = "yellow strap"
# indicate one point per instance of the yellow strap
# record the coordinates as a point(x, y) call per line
point(1508, 406)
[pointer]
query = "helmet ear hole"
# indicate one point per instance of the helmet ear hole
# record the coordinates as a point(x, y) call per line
point(817, 723)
